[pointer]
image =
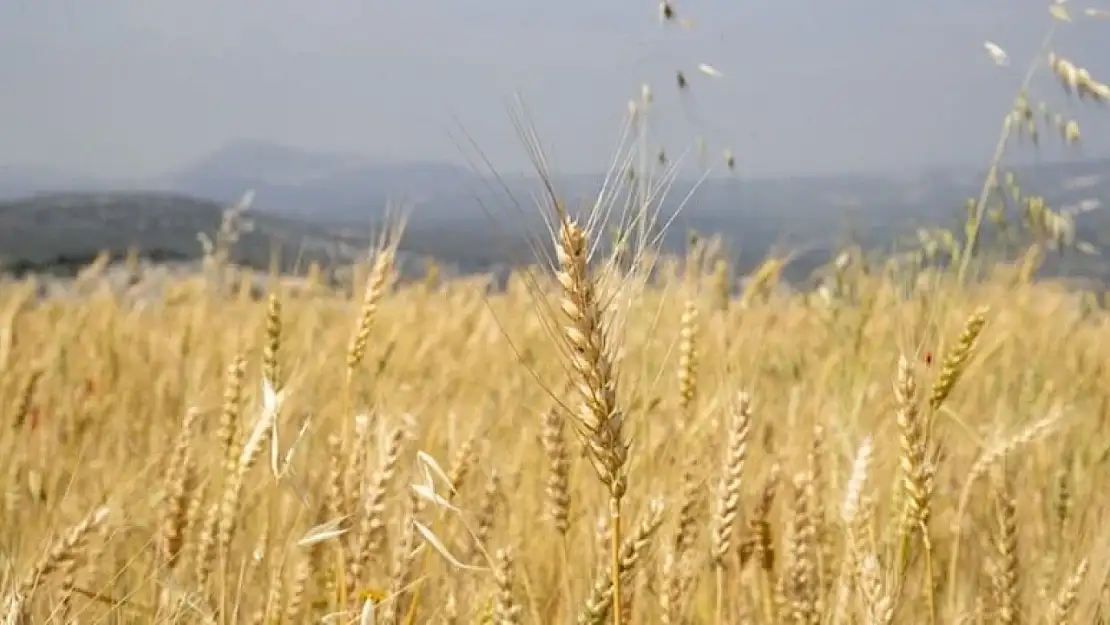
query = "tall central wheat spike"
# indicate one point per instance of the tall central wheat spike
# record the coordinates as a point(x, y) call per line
point(599, 421)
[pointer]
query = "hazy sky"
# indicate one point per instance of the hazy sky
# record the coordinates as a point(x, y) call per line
point(137, 88)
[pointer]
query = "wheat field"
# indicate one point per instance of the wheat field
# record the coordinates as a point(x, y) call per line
point(899, 452)
point(627, 439)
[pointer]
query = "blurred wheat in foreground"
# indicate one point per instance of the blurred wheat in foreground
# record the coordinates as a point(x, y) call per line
point(431, 453)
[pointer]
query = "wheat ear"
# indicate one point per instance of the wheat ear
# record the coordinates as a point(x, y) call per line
point(599, 422)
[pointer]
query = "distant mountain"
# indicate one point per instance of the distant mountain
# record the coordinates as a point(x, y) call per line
point(302, 193)
point(318, 185)
point(349, 188)
point(66, 229)
point(270, 162)
point(16, 181)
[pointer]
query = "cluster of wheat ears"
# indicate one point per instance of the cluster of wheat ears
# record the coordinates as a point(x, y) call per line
point(598, 442)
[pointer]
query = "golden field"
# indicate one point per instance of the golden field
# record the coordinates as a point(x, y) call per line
point(587, 445)
point(628, 439)
point(892, 454)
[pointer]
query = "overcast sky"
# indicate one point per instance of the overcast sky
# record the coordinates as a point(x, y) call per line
point(137, 88)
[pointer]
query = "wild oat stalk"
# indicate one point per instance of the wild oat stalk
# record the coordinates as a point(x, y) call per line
point(974, 227)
